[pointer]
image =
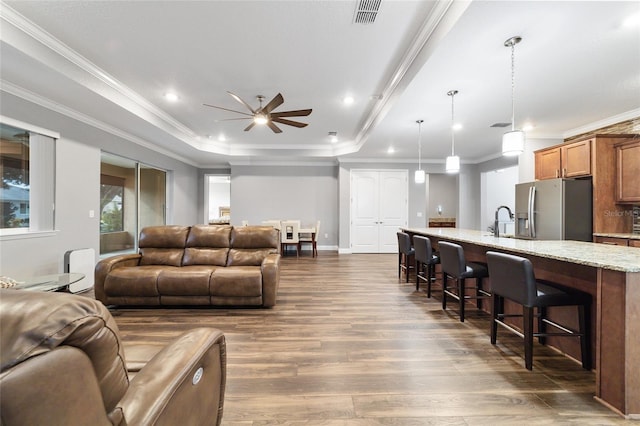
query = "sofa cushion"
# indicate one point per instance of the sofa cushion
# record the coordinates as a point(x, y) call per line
point(237, 281)
point(185, 281)
point(205, 256)
point(161, 256)
point(166, 236)
point(133, 281)
point(213, 236)
point(253, 237)
point(248, 257)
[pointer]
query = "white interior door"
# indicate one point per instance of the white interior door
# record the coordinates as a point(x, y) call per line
point(379, 206)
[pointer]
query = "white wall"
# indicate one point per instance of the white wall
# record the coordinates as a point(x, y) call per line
point(498, 189)
point(306, 193)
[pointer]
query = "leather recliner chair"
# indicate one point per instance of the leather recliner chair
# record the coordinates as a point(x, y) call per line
point(63, 363)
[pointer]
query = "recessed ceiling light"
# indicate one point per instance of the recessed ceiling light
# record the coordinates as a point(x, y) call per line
point(171, 97)
point(632, 21)
point(457, 126)
point(390, 150)
point(222, 137)
point(348, 100)
point(527, 127)
point(333, 137)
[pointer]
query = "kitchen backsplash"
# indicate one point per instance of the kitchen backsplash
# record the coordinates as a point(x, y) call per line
point(636, 220)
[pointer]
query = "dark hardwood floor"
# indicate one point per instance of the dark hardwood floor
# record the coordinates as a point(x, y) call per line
point(350, 344)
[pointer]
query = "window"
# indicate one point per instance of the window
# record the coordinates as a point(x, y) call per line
point(27, 172)
point(132, 196)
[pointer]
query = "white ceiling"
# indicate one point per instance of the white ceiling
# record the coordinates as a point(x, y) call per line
point(110, 63)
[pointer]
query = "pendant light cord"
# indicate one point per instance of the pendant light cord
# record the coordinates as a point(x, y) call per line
point(419, 143)
point(452, 123)
point(513, 87)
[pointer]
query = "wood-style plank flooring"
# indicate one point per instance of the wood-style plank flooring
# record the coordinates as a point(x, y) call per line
point(350, 344)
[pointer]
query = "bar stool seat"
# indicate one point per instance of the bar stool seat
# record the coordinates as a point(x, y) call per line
point(426, 262)
point(455, 266)
point(512, 278)
point(406, 254)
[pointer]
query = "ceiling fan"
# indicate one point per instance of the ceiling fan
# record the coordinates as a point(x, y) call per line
point(265, 114)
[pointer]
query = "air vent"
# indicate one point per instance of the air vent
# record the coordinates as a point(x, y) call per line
point(500, 125)
point(366, 11)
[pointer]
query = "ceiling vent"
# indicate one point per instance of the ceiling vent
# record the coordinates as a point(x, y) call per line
point(366, 11)
point(500, 125)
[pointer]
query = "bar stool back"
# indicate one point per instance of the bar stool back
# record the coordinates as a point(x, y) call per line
point(405, 254)
point(454, 265)
point(426, 262)
point(512, 278)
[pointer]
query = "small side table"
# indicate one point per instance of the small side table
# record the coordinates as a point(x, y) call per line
point(53, 282)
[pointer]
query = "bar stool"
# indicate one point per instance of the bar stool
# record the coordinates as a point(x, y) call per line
point(405, 254)
point(426, 262)
point(512, 278)
point(455, 266)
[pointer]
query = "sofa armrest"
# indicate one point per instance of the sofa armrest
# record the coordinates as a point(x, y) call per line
point(168, 391)
point(270, 279)
point(107, 265)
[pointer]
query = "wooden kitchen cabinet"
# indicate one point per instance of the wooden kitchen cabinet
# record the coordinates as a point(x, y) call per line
point(634, 243)
point(628, 171)
point(567, 160)
point(612, 241)
point(547, 163)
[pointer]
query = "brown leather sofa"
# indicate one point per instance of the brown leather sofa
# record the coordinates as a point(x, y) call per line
point(216, 265)
point(62, 363)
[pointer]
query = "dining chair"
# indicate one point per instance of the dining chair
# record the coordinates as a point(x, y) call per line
point(272, 222)
point(311, 238)
point(290, 235)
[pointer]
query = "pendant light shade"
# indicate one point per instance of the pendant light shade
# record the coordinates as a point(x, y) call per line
point(419, 176)
point(452, 163)
point(513, 141)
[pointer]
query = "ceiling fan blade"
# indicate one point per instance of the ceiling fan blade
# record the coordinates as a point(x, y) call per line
point(273, 127)
point(233, 119)
point(227, 109)
point(273, 104)
point(237, 98)
point(296, 113)
point(289, 122)
point(253, 123)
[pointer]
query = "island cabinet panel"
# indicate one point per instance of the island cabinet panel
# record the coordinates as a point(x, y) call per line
point(628, 172)
point(634, 243)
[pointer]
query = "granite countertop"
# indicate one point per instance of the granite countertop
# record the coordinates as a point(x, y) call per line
point(617, 258)
point(613, 235)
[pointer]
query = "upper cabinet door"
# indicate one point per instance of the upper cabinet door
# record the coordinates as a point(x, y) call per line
point(628, 172)
point(576, 159)
point(547, 163)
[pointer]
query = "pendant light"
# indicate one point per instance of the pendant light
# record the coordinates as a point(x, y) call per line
point(452, 164)
point(419, 176)
point(513, 141)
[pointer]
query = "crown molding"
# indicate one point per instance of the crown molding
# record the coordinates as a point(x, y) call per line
point(29, 96)
point(634, 113)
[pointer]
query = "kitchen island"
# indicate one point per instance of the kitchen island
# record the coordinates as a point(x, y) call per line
point(610, 274)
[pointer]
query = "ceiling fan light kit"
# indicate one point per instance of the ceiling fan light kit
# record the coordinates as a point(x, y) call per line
point(264, 115)
point(513, 141)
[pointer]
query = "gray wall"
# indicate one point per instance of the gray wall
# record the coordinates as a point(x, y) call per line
point(307, 193)
point(78, 190)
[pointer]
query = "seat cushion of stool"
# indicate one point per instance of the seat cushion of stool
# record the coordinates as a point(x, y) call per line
point(551, 295)
point(475, 270)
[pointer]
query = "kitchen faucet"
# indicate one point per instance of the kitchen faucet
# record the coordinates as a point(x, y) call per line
point(496, 230)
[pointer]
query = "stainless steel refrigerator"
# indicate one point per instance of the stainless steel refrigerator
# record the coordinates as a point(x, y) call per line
point(554, 209)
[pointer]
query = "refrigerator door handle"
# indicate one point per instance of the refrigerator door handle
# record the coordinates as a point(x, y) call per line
point(532, 218)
